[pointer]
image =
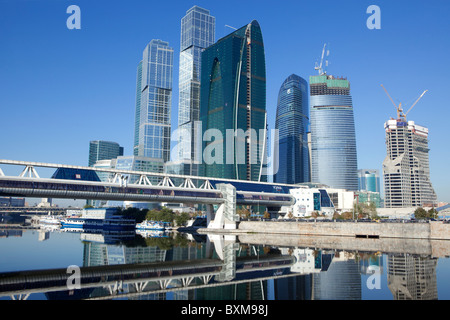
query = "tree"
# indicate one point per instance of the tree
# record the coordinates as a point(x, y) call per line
point(432, 213)
point(420, 213)
point(182, 218)
point(347, 215)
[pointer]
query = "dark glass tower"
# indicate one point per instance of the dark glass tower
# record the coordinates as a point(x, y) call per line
point(233, 106)
point(292, 122)
point(103, 150)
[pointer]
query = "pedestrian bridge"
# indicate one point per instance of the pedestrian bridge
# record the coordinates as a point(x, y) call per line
point(193, 189)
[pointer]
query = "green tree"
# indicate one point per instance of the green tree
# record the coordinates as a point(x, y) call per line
point(432, 213)
point(421, 213)
point(182, 218)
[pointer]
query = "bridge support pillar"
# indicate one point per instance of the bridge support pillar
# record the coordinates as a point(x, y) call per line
point(225, 247)
point(225, 216)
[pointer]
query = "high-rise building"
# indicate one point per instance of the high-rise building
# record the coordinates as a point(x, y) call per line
point(136, 163)
point(197, 33)
point(292, 120)
point(103, 150)
point(333, 141)
point(153, 101)
point(369, 180)
point(233, 106)
point(406, 168)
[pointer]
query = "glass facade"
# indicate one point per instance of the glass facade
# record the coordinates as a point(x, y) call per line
point(197, 33)
point(153, 101)
point(333, 141)
point(103, 150)
point(292, 120)
point(136, 163)
point(369, 180)
point(233, 98)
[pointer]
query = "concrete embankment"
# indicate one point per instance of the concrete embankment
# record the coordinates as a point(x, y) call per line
point(433, 230)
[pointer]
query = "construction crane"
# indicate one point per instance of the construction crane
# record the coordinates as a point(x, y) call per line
point(399, 108)
point(319, 66)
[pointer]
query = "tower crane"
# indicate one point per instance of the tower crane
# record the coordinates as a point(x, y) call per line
point(399, 108)
point(319, 66)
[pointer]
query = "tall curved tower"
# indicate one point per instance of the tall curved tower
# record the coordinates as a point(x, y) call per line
point(233, 106)
point(292, 121)
point(333, 141)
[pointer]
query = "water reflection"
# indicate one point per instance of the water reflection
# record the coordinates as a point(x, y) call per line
point(177, 266)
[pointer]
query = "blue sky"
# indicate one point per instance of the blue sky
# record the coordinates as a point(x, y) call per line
point(61, 88)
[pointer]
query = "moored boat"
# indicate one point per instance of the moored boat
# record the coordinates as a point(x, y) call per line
point(150, 225)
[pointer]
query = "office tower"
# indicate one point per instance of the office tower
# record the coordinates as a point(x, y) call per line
point(136, 163)
point(406, 168)
point(369, 180)
point(412, 277)
point(103, 150)
point(333, 142)
point(292, 120)
point(197, 33)
point(153, 101)
point(233, 106)
point(341, 281)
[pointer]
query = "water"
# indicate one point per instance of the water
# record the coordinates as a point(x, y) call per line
point(214, 268)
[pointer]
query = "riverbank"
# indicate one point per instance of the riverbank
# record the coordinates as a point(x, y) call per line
point(432, 230)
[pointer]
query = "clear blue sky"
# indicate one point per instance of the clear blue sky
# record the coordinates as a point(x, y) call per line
point(61, 88)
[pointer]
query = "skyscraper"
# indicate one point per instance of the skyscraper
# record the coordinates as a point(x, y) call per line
point(153, 101)
point(233, 106)
point(369, 180)
point(103, 150)
point(292, 120)
point(197, 33)
point(406, 168)
point(333, 141)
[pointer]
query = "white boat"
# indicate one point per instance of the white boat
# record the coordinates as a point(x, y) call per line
point(50, 220)
point(151, 233)
point(150, 225)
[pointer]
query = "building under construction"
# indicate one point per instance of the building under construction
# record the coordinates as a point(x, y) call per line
point(406, 168)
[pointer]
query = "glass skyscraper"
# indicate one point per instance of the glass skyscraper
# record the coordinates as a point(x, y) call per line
point(197, 33)
point(153, 101)
point(103, 150)
point(292, 120)
point(233, 106)
point(333, 141)
point(369, 180)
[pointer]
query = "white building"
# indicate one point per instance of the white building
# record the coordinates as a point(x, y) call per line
point(342, 199)
point(307, 201)
point(406, 167)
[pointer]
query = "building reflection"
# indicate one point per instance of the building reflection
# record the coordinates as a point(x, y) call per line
point(412, 277)
point(303, 274)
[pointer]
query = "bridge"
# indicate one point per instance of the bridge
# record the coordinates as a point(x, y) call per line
point(119, 281)
point(225, 193)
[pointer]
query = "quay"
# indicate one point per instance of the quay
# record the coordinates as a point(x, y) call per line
point(431, 230)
